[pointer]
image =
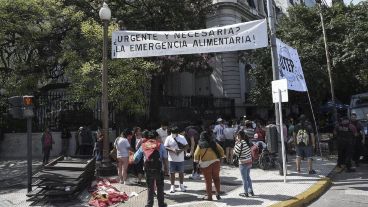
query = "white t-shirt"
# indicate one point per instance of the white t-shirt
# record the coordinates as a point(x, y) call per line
point(219, 132)
point(229, 133)
point(170, 142)
point(122, 147)
point(163, 134)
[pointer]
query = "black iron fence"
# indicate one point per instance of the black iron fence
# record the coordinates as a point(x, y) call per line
point(194, 107)
point(57, 109)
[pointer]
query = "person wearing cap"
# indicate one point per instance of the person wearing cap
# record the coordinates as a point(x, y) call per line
point(176, 145)
point(219, 133)
point(122, 147)
point(305, 143)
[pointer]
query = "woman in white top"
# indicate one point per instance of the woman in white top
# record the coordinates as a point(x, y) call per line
point(122, 147)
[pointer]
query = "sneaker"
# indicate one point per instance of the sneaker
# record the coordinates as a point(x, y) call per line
point(182, 188)
point(312, 172)
point(218, 197)
point(195, 176)
point(172, 189)
point(243, 194)
point(251, 193)
point(192, 176)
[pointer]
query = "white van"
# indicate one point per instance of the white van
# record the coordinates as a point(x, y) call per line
point(359, 106)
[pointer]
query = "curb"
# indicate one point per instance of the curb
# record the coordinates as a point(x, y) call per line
point(311, 194)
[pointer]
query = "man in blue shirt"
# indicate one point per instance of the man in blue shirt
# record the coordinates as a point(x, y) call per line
point(154, 155)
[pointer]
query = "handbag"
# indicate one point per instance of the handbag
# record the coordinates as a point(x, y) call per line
point(200, 160)
point(180, 145)
point(114, 151)
point(113, 154)
point(236, 161)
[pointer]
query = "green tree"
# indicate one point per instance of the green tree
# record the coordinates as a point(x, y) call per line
point(130, 78)
point(30, 38)
point(346, 28)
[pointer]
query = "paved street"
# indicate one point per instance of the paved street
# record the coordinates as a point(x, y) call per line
point(348, 189)
point(268, 186)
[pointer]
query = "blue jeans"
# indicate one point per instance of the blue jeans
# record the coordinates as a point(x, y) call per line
point(245, 173)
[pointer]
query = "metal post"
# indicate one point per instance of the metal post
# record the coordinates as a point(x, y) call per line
point(105, 106)
point(282, 138)
point(328, 61)
point(29, 153)
point(275, 68)
point(106, 168)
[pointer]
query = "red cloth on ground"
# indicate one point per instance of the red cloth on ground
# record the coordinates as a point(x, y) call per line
point(105, 194)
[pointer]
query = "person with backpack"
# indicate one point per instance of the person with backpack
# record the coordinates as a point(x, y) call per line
point(345, 133)
point(47, 142)
point(305, 143)
point(176, 145)
point(154, 155)
point(209, 154)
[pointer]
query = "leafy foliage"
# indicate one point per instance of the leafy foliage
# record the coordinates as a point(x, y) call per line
point(346, 28)
point(39, 35)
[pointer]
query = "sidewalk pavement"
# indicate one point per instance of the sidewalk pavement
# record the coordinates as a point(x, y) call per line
point(269, 189)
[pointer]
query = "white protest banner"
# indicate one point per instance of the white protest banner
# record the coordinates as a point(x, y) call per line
point(242, 36)
point(290, 67)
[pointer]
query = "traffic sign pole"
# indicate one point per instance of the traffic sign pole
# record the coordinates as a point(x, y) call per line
point(29, 153)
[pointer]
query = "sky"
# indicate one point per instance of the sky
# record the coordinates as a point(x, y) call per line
point(347, 2)
point(353, 1)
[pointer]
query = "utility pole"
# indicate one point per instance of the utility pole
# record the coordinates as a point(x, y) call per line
point(106, 168)
point(275, 67)
point(328, 60)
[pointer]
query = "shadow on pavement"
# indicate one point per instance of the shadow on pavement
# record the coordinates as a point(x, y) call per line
point(240, 201)
point(277, 197)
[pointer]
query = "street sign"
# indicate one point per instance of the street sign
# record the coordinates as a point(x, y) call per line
point(282, 86)
point(28, 100)
point(21, 107)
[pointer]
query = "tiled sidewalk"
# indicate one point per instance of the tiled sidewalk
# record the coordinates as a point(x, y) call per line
point(268, 187)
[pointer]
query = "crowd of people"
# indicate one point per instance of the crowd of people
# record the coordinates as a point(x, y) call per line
point(162, 152)
point(207, 145)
